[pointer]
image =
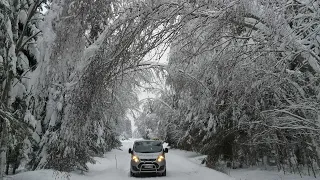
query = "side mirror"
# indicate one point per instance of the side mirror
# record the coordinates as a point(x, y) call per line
point(165, 150)
point(130, 151)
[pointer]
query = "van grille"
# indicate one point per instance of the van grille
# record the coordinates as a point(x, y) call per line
point(141, 164)
point(148, 159)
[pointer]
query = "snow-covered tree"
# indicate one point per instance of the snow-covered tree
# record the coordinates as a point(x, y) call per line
point(19, 56)
point(90, 81)
point(244, 77)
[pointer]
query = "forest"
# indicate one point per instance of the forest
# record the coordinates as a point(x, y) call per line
point(241, 83)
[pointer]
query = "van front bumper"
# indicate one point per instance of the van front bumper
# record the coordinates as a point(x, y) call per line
point(148, 166)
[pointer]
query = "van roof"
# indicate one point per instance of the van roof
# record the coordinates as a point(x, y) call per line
point(146, 140)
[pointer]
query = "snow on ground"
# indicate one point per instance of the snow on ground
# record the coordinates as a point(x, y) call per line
point(255, 174)
point(181, 165)
point(115, 166)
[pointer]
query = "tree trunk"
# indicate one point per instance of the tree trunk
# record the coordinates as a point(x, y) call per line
point(3, 148)
point(3, 125)
point(317, 150)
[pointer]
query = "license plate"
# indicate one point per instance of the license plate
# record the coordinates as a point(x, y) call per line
point(148, 166)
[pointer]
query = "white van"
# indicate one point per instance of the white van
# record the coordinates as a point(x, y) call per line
point(148, 156)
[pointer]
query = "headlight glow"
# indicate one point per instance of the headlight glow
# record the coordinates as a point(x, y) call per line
point(160, 158)
point(135, 159)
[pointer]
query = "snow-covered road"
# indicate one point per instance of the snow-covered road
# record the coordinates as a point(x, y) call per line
point(115, 166)
point(181, 165)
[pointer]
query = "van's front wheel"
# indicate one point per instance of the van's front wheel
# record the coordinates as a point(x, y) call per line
point(164, 173)
point(132, 174)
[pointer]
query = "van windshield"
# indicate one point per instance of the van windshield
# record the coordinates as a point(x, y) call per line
point(147, 146)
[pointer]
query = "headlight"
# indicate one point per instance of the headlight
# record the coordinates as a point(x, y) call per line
point(135, 159)
point(160, 158)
